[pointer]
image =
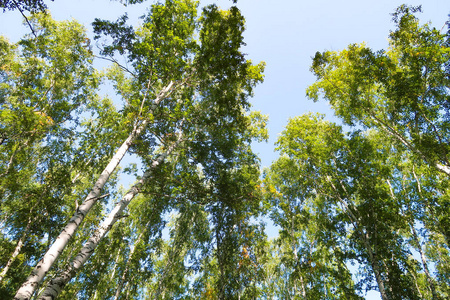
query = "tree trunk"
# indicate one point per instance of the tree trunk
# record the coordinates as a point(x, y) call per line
point(376, 269)
point(365, 239)
point(176, 248)
point(37, 275)
point(424, 262)
point(419, 245)
point(57, 284)
point(16, 250)
point(96, 295)
point(127, 264)
point(302, 284)
point(390, 130)
point(416, 237)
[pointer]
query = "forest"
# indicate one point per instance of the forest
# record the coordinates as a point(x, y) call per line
point(362, 204)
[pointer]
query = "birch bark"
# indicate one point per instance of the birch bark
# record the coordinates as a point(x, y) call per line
point(28, 288)
point(417, 242)
point(364, 238)
point(176, 248)
point(390, 130)
point(16, 250)
point(57, 284)
point(424, 262)
point(127, 266)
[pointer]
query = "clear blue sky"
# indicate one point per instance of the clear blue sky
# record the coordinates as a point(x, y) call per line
point(284, 33)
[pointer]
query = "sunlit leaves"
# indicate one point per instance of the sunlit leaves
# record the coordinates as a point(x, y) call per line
point(402, 91)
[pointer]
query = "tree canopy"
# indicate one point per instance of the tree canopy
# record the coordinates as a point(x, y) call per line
point(363, 205)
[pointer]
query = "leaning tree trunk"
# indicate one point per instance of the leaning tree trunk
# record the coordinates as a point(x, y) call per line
point(390, 130)
point(416, 239)
point(16, 252)
point(127, 265)
point(28, 288)
point(373, 260)
point(56, 285)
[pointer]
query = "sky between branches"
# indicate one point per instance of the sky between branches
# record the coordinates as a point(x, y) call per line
point(284, 33)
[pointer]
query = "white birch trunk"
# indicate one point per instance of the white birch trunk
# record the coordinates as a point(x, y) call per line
point(28, 288)
point(16, 250)
point(176, 249)
point(419, 245)
point(57, 284)
point(424, 262)
point(441, 168)
point(365, 239)
point(127, 265)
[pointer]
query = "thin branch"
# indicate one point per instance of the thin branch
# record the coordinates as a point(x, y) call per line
point(26, 19)
point(145, 97)
point(117, 63)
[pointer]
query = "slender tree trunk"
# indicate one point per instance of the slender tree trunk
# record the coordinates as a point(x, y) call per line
point(161, 286)
point(376, 268)
point(127, 289)
point(416, 282)
point(365, 239)
point(419, 245)
point(116, 262)
point(28, 288)
point(124, 276)
point(294, 251)
point(416, 238)
point(37, 275)
point(127, 265)
point(111, 277)
point(424, 262)
point(17, 249)
point(390, 130)
point(57, 284)
point(11, 160)
point(302, 283)
point(176, 248)
point(342, 269)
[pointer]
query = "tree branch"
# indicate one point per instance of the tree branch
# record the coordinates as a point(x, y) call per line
point(26, 19)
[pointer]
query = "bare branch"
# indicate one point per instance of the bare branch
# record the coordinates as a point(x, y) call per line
point(26, 19)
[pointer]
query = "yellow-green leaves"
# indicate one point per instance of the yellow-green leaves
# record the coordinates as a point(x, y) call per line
point(403, 91)
point(309, 137)
point(258, 126)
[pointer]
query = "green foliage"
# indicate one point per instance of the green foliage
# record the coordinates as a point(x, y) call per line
point(403, 90)
point(194, 231)
point(342, 199)
point(173, 85)
point(47, 81)
point(384, 191)
point(24, 5)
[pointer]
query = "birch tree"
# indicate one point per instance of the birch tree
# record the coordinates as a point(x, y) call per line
point(402, 91)
point(309, 247)
point(46, 82)
point(192, 81)
point(346, 180)
point(57, 284)
point(136, 126)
